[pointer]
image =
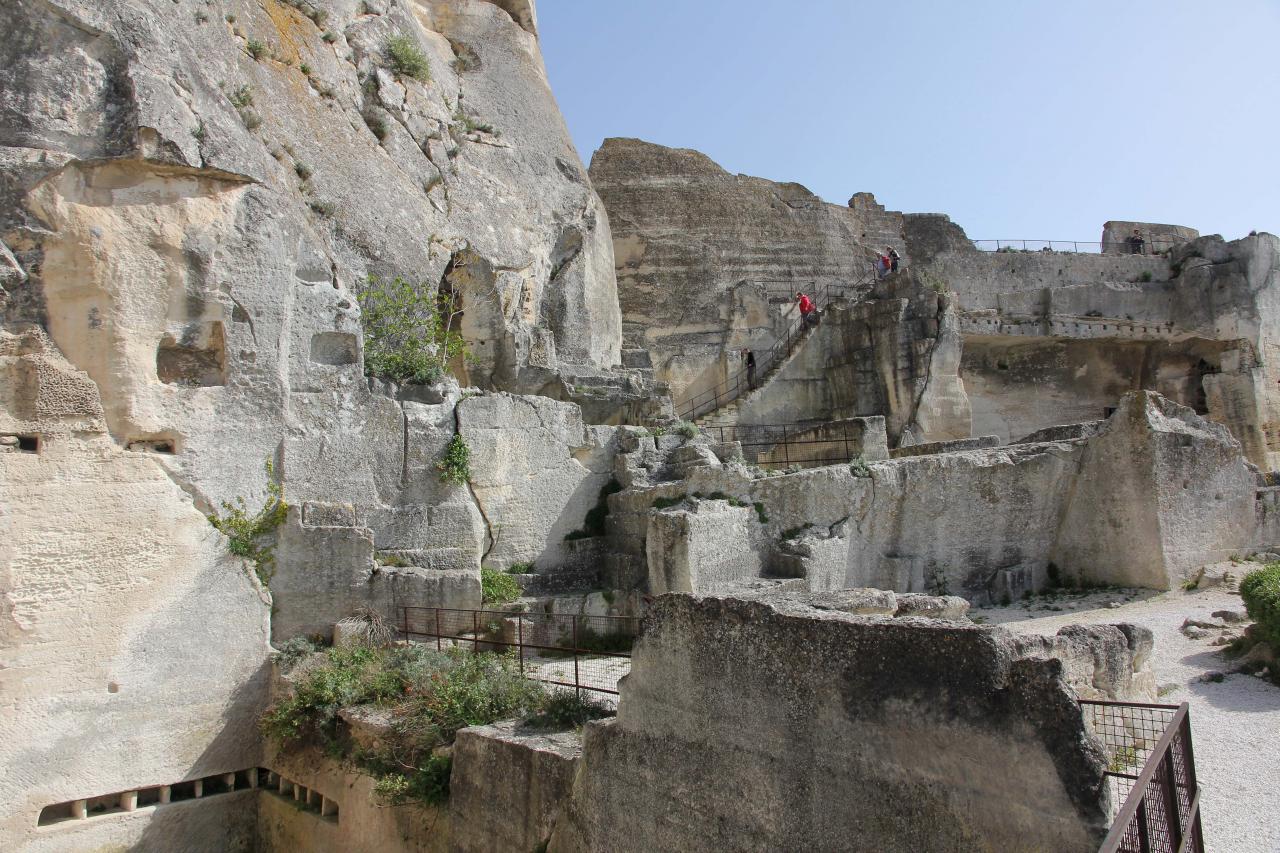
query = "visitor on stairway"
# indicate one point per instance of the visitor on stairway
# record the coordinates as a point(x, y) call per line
point(894, 258)
point(808, 311)
point(751, 368)
point(1136, 244)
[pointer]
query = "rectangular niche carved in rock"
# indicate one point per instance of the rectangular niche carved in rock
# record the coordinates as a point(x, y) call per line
point(195, 357)
point(335, 348)
point(19, 443)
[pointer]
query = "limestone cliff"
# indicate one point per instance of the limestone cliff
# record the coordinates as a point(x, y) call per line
point(192, 196)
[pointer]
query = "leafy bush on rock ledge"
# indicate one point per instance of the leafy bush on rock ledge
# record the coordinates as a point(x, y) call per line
point(1261, 593)
point(430, 694)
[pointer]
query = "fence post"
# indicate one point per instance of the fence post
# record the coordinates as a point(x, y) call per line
point(520, 639)
point(475, 630)
point(1172, 802)
point(439, 645)
point(577, 685)
point(1144, 840)
point(786, 451)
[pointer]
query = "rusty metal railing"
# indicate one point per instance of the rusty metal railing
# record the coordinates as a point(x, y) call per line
point(1151, 766)
point(791, 445)
point(568, 650)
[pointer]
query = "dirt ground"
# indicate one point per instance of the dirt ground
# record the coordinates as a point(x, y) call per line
point(1235, 723)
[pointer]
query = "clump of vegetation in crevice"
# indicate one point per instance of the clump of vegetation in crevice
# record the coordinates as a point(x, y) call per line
point(430, 694)
point(686, 429)
point(409, 331)
point(293, 650)
point(406, 58)
point(594, 522)
point(257, 49)
point(859, 467)
point(761, 515)
point(566, 709)
point(497, 587)
point(367, 627)
point(666, 503)
point(252, 535)
point(455, 465)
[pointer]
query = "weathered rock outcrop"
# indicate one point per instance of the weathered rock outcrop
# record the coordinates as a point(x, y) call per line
point(746, 725)
point(191, 199)
point(687, 234)
point(1143, 500)
point(1160, 493)
point(132, 644)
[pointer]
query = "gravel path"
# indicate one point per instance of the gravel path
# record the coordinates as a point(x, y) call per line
point(1235, 724)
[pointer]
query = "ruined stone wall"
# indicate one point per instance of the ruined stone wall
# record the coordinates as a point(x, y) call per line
point(766, 726)
point(1171, 489)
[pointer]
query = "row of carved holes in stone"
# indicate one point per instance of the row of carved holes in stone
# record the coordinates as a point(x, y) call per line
point(209, 786)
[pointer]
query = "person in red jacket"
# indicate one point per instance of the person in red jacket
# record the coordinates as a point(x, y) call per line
point(806, 307)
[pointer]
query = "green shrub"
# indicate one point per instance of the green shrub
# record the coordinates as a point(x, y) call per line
point(455, 465)
point(428, 783)
point(520, 569)
point(408, 334)
point(293, 650)
point(256, 49)
point(377, 127)
point(566, 709)
point(761, 515)
point(687, 429)
point(303, 171)
point(498, 587)
point(406, 59)
point(353, 675)
point(1261, 593)
point(251, 535)
point(242, 97)
point(664, 503)
point(323, 207)
point(859, 468)
point(594, 522)
point(329, 37)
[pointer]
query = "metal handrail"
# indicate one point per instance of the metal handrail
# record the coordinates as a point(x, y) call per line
point(1148, 246)
point(1183, 825)
point(732, 388)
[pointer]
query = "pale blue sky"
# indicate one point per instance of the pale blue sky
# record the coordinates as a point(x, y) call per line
point(1019, 119)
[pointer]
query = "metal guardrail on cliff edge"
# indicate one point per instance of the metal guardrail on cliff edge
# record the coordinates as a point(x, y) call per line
point(1124, 247)
point(564, 649)
point(1150, 763)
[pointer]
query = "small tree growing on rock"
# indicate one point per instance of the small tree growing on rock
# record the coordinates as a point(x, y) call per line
point(409, 331)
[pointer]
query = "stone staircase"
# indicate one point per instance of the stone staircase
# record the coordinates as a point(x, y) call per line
point(727, 415)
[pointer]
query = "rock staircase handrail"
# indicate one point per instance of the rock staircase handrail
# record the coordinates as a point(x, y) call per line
point(733, 387)
point(1150, 247)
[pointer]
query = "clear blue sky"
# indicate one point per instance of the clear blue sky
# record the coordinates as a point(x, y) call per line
point(1020, 119)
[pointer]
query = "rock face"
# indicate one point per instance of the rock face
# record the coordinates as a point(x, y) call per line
point(132, 644)
point(1156, 237)
point(191, 200)
point(687, 234)
point(508, 785)
point(477, 184)
point(842, 730)
point(1143, 500)
point(1160, 493)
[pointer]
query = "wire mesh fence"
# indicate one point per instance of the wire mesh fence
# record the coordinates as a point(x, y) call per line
point(585, 653)
point(792, 445)
point(1151, 768)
